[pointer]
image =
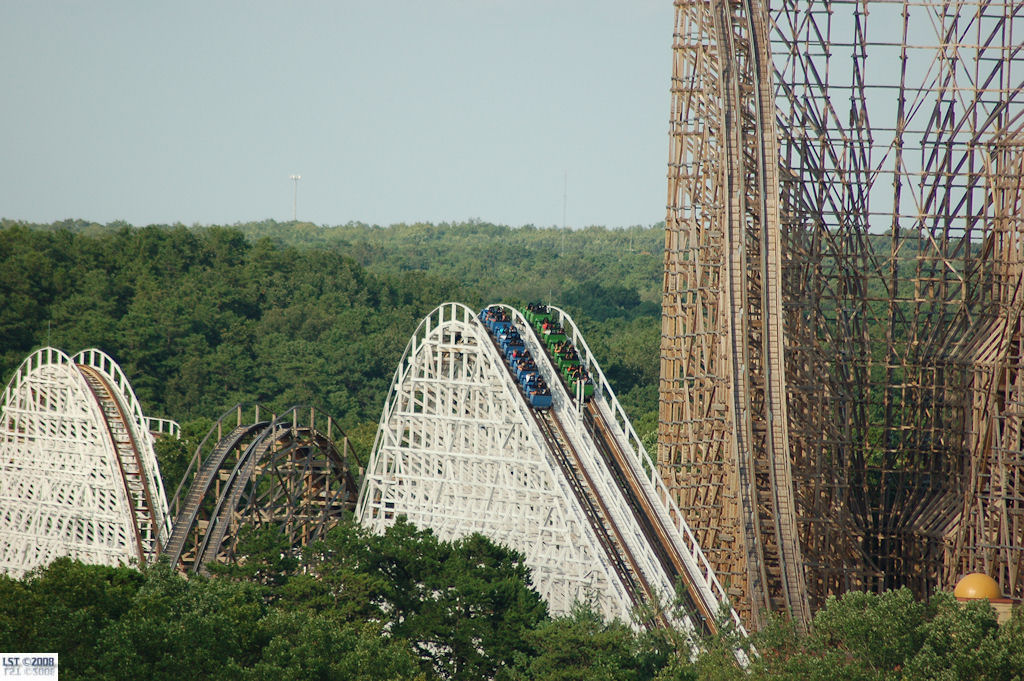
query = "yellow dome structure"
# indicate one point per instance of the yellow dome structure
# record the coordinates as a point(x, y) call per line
point(975, 586)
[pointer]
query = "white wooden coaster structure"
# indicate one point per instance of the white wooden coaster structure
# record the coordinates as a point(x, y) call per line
point(78, 473)
point(459, 450)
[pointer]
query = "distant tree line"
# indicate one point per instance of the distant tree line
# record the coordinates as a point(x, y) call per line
point(201, 318)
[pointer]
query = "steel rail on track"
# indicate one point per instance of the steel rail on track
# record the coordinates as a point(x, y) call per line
point(589, 501)
point(754, 322)
point(601, 520)
point(139, 424)
point(242, 472)
point(129, 461)
point(737, 305)
point(783, 516)
point(197, 460)
point(639, 506)
point(697, 574)
point(200, 485)
point(252, 441)
point(646, 515)
point(790, 555)
point(635, 511)
point(595, 508)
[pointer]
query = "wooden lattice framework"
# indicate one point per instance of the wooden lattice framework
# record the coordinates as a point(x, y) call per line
point(834, 369)
point(459, 450)
point(294, 471)
point(989, 532)
point(78, 472)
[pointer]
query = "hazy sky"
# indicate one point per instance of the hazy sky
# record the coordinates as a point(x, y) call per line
point(390, 110)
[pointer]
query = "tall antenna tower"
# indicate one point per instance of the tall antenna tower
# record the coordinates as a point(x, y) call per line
point(840, 400)
point(295, 196)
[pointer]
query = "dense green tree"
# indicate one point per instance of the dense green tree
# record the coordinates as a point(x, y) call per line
point(302, 647)
point(465, 606)
point(582, 647)
point(870, 637)
point(961, 642)
point(64, 608)
point(405, 605)
point(183, 628)
point(203, 318)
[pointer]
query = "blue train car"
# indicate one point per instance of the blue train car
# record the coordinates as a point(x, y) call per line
point(524, 368)
point(511, 341)
point(537, 393)
point(517, 357)
point(514, 352)
point(496, 320)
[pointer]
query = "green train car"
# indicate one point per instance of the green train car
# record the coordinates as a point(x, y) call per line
point(561, 350)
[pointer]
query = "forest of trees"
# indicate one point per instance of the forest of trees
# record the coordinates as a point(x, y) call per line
point(282, 313)
point(201, 318)
point(407, 606)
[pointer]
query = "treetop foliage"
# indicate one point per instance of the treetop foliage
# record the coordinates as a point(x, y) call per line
point(202, 318)
point(405, 605)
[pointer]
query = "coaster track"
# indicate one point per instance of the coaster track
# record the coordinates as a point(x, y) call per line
point(599, 523)
point(252, 471)
point(584, 453)
point(839, 331)
point(78, 473)
point(129, 462)
point(614, 449)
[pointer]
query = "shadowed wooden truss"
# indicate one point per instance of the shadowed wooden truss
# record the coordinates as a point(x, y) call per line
point(989, 531)
point(294, 471)
point(839, 401)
